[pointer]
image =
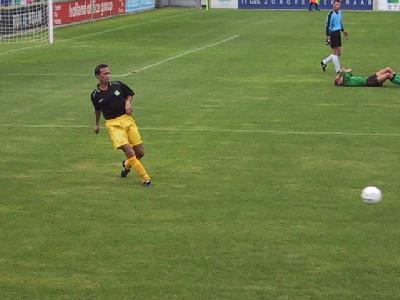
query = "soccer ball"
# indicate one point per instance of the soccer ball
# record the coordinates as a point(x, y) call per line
point(371, 195)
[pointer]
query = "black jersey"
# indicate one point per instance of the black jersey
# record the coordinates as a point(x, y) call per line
point(112, 101)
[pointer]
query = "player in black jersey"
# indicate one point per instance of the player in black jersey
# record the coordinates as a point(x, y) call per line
point(113, 99)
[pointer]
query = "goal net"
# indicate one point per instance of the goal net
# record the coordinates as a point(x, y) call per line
point(26, 21)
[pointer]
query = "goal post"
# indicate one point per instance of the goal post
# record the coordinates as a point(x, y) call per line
point(50, 18)
point(26, 21)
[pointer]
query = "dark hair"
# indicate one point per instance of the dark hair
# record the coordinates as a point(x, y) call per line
point(98, 68)
point(337, 1)
point(337, 79)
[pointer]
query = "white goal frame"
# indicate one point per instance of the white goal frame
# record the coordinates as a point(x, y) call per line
point(26, 21)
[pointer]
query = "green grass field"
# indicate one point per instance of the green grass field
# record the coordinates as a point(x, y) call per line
point(257, 161)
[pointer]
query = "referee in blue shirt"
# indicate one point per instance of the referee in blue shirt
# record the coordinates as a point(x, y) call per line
point(334, 27)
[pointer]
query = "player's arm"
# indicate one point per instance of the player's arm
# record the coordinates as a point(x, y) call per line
point(128, 94)
point(346, 34)
point(97, 114)
point(128, 105)
point(97, 111)
point(344, 70)
point(328, 25)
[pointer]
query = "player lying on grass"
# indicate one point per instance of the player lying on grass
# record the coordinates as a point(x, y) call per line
point(346, 78)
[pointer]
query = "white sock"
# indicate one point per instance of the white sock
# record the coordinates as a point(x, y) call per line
point(327, 60)
point(336, 63)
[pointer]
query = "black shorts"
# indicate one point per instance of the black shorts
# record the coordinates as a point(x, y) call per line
point(372, 81)
point(336, 39)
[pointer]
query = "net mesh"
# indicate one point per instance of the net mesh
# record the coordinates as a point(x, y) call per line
point(24, 21)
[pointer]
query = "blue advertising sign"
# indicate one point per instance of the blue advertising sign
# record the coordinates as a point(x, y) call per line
point(136, 5)
point(303, 4)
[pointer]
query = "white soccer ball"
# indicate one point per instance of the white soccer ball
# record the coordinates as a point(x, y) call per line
point(371, 195)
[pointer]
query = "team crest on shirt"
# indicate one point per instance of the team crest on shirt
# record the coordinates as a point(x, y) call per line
point(117, 93)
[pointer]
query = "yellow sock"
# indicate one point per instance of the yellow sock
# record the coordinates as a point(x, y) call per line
point(133, 162)
point(127, 165)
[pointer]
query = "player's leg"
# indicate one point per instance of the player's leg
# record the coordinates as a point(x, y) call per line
point(126, 168)
point(335, 59)
point(383, 77)
point(313, 5)
point(326, 61)
point(133, 162)
point(389, 69)
point(135, 142)
point(386, 70)
point(387, 73)
point(395, 78)
point(336, 45)
point(336, 56)
point(135, 139)
point(119, 133)
point(139, 151)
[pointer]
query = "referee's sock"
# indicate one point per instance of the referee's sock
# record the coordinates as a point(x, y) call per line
point(134, 163)
point(327, 60)
point(395, 79)
point(336, 63)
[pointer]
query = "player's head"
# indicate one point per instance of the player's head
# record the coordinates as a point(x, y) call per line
point(98, 68)
point(336, 5)
point(339, 80)
point(102, 73)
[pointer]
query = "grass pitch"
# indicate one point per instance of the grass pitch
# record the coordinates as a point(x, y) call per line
point(257, 160)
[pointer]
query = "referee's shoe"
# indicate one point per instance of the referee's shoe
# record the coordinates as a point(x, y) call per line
point(323, 66)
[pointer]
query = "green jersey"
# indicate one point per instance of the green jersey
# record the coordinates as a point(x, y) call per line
point(350, 80)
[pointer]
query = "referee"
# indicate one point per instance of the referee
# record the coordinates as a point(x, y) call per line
point(334, 27)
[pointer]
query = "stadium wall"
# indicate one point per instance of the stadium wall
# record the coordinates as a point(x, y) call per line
point(389, 5)
point(384, 5)
point(179, 3)
point(69, 12)
point(75, 11)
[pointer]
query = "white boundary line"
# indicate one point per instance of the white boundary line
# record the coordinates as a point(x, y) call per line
point(21, 49)
point(124, 27)
point(50, 74)
point(92, 34)
point(138, 70)
point(264, 131)
point(179, 55)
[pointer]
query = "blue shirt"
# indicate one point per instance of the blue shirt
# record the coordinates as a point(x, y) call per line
point(334, 22)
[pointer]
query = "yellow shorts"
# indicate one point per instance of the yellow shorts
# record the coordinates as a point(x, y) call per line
point(123, 130)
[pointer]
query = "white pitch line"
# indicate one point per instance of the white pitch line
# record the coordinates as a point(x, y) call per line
point(138, 70)
point(124, 27)
point(92, 34)
point(179, 55)
point(21, 49)
point(48, 74)
point(263, 131)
